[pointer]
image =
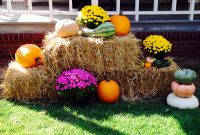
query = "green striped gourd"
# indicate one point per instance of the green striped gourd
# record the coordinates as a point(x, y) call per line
point(104, 30)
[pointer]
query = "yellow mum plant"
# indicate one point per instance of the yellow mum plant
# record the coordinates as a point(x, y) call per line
point(156, 44)
point(92, 16)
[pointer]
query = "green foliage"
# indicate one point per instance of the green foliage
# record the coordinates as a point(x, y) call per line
point(79, 95)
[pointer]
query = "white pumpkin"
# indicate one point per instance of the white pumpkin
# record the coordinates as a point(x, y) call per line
point(66, 28)
point(182, 103)
point(150, 60)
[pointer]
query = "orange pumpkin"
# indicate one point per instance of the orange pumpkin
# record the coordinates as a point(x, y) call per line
point(122, 24)
point(108, 91)
point(29, 55)
point(147, 65)
point(183, 90)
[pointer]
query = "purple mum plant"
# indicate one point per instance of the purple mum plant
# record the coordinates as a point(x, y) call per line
point(76, 84)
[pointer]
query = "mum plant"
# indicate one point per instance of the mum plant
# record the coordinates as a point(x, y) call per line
point(76, 85)
point(157, 45)
point(92, 16)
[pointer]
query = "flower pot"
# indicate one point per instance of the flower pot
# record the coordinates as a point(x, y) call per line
point(159, 56)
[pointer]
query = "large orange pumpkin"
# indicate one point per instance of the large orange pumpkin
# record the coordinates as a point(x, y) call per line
point(183, 90)
point(122, 24)
point(108, 91)
point(29, 55)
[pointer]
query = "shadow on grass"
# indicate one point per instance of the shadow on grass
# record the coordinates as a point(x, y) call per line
point(189, 119)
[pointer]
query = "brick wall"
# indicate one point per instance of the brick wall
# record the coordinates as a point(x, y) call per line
point(186, 44)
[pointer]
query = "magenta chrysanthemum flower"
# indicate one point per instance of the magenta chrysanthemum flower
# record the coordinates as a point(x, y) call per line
point(75, 78)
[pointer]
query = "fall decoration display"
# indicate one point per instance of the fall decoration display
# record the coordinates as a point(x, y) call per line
point(183, 90)
point(92, 16)
point(118, 58)
point(185, 76)
point(157, 45)
point(70, 63)
point(122, 24)
point(182, 96)
point(108, 91)
point(76, 85)
point(29, 55)
point(182, 103)
point(66, 28)
point(27, 84)
point(147, 65)
point(104, 30)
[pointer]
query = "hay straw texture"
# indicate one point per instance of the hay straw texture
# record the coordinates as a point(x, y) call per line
point(92, 54)
point(147, 83)
point(26, 84)
point(118, 59)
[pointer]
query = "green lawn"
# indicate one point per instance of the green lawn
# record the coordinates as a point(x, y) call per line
point(142, 118)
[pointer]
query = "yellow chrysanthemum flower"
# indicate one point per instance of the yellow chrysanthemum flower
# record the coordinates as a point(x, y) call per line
point(94, 15)
point(156, 43)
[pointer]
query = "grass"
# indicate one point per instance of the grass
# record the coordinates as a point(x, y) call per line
point(145, 118)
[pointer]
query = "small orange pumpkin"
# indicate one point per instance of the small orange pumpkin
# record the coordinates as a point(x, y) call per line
point(29, 55)
point(147, 65)
point(108, 91)
point(122, 24)
point(183, 90)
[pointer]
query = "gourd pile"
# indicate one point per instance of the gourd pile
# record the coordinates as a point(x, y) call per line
point(183, 89)
point(98, 44)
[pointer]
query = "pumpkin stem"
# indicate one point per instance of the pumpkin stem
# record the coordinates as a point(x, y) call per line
point(107, 80)
point(38, 60)
point(120, 12)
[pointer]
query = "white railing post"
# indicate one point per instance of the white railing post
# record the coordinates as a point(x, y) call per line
point(30, 7)
point(9, 7)
point(118, 6)
point(137, 6)
point(192, 6)
point(51, 9)
point(155, 5)
point(70, 5)
point(95, 2)
point(174, 4)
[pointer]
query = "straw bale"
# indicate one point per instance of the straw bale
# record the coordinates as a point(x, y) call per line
point(118, 59)
point(26, 84)
point(93, 54)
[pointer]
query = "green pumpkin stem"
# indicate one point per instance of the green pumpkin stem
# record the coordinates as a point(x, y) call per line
point(38, 61)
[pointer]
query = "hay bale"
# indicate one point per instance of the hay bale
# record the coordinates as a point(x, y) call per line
point(147, 83)
point(118, 59)
point(93, 54)
point(1, 79)
point(26, 84)
point(144, 83)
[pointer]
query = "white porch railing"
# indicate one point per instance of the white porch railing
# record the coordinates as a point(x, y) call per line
point(135, 12)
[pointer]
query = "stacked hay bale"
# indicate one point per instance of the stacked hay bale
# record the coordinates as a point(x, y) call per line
point(26, 84)
point(118, 59)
